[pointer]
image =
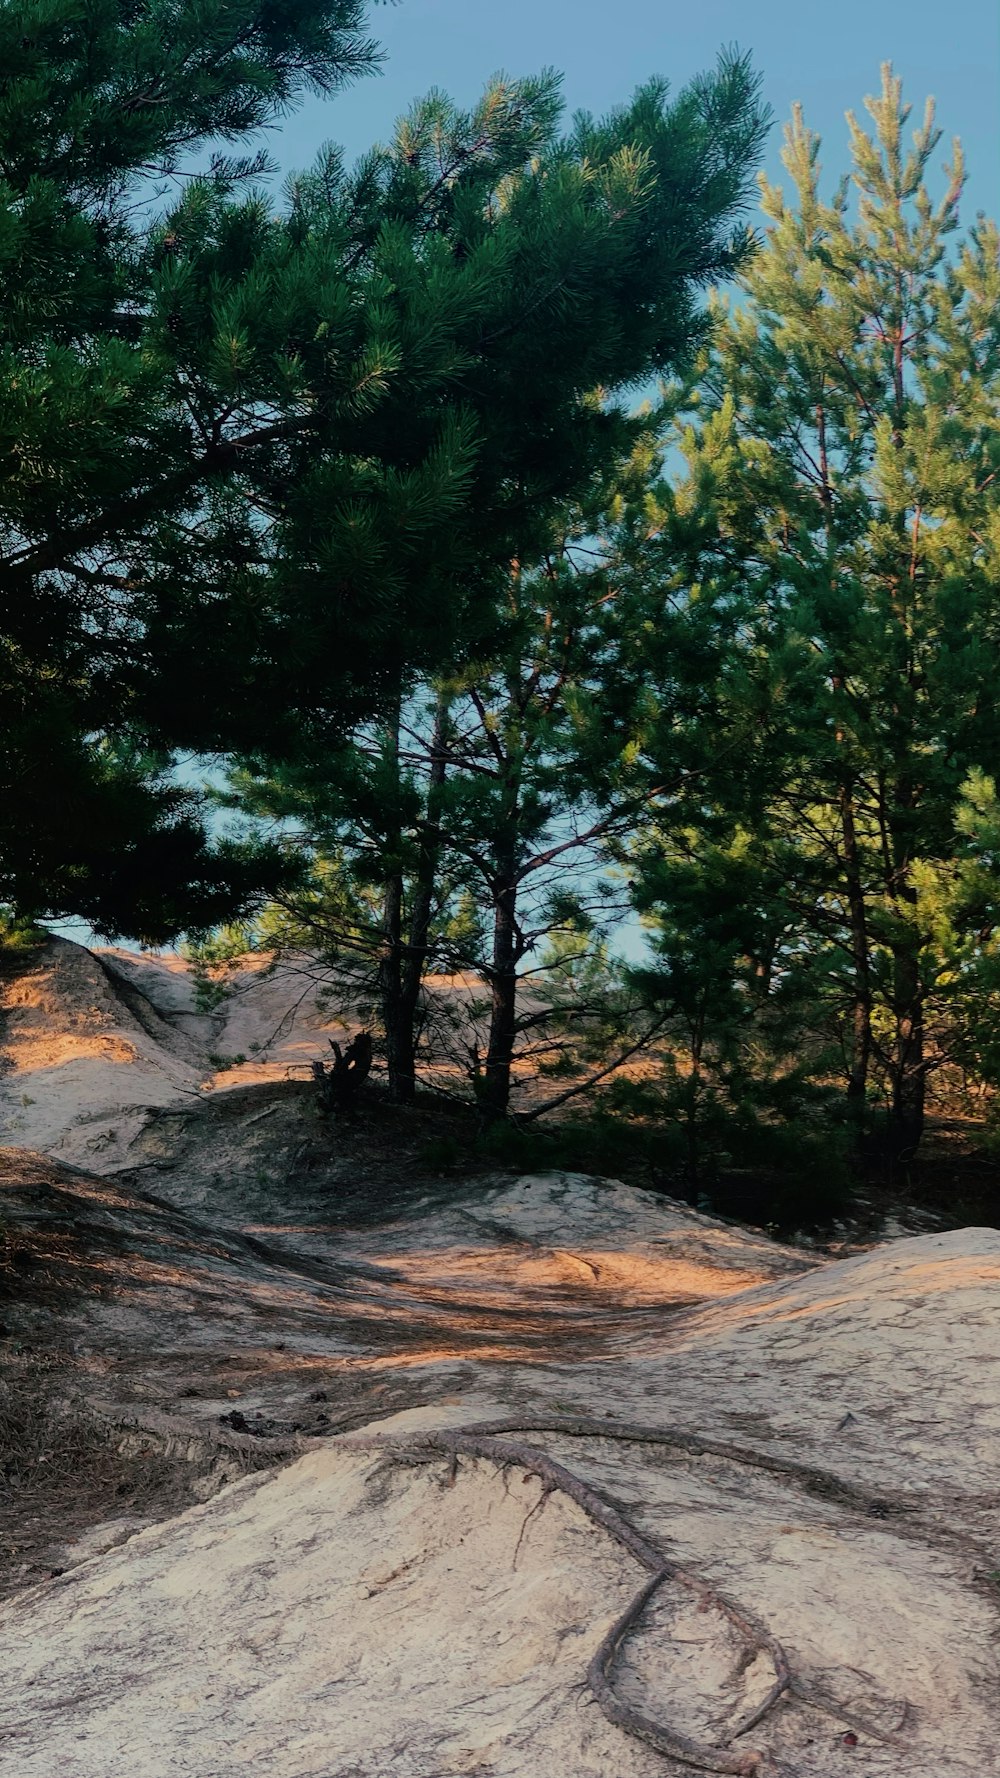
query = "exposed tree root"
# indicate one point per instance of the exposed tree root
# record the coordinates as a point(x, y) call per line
point(815, 1700)
point(818, 1482)
point(634, 1722)
point(547, 1489)
point(753, 1635)
point(907, 1512)
point(488, 1440)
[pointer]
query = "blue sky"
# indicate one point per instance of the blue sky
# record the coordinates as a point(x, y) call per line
point(828, 56)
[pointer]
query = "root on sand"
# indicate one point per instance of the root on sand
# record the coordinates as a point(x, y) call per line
point(511, 1453)
point(492, 1441)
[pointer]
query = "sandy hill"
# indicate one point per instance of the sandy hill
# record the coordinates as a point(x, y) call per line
point(98, 1045)
point(548, 1476)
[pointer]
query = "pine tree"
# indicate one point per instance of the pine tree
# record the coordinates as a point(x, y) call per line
point(113, 456)
point(557, 271)
point(841, 518)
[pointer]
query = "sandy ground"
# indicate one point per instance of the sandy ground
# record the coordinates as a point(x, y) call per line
point(98, 1043)
point(810, 1450)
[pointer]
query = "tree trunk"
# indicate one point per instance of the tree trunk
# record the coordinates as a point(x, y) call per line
point(908, 1074)
point(338, 1085)
point(414, 953)
point(692, 1109)
point(495, 1091)
point(861, 1027)
point(398, 1052)
point(390, 957)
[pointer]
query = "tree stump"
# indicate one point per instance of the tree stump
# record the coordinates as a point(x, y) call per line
point(337, 1085)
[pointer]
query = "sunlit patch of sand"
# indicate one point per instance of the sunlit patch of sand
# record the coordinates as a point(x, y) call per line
point(597, 1272)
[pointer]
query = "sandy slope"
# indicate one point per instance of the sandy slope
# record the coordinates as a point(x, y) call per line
point(98, 1044)
point(83, 1069)
point(817, 1443)
point(351, 1614)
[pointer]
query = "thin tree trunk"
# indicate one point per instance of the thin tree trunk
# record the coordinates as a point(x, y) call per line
point(495, 1093)
point(909, 1080)
point(861, 1027)
point(390, 959)
point(507, 947)
point(414, 954)
point(907, 1072)
point(692, 1130)
point(909, 1075)
point(390, 988)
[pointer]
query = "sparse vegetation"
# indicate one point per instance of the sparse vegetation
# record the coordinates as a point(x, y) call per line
point(63, 1468)
point(20, 935)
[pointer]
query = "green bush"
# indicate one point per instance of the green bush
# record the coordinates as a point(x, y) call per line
point(19, 935)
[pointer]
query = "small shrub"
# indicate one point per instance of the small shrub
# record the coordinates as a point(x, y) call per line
point(209, 992)
point(210, 958)
point(19, 935)
point(441, 1154)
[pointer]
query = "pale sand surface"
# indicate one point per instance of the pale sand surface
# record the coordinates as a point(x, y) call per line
point(355, 1613)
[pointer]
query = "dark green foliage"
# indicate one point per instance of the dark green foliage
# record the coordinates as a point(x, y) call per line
point(264, 463)
point(837, 532)
point(112, 455)
point(767, 1146)
point(783, 1177)
point(538, 276)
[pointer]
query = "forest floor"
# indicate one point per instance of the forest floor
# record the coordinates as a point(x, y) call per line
point(317, 1457)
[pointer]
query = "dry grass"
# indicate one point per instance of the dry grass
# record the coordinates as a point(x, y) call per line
point(65, 1469)
point(46, 1437)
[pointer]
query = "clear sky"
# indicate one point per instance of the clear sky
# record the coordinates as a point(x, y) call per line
point(826, 55)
